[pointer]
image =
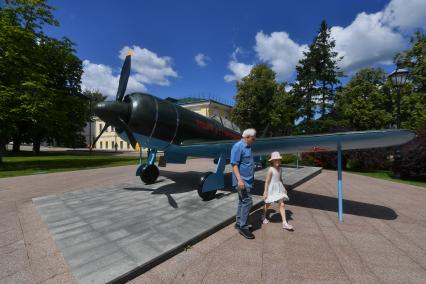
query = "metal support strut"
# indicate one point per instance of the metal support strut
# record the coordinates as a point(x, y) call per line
point(216, 180)
point(152, 155)
point(339, 181)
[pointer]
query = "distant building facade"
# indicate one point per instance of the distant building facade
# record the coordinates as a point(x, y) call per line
point(206, 107)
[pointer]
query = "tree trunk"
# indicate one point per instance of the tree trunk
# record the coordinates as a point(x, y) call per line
point(36, 145)
point(16, 144)
point(324, 97)
point(2, 151)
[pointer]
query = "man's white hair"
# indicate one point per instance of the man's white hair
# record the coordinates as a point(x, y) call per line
point(249, 132)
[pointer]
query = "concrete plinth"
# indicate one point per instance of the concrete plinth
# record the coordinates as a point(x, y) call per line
point(117, 232)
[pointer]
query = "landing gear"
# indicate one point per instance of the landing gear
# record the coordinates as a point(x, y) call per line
point(211, 182)
point(209, 195)
point(149, 174)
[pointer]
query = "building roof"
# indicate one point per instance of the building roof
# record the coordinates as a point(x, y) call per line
point(192, 100)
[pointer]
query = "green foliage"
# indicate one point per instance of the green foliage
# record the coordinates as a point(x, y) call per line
point(28, 164)
point(413, 101)
point(261, 101)
point(317, 75)
point(368, 159)
point(363, 102)
point(288, 159)
point(39, 78)
point(413, 154)
point(326, 124)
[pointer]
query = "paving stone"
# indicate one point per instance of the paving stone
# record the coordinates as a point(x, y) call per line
point(384, 224)
point(13, 262)
point(135, 223)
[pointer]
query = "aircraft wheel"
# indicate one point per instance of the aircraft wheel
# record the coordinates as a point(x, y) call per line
point(149, 174)
point(206, 196)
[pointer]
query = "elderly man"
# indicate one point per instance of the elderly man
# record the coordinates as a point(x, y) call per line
point(243, 178)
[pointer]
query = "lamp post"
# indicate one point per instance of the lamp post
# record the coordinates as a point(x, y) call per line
point(398, 79)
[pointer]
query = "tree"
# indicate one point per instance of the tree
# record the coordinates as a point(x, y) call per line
point(363, 101)
point(413, 107)
point(317, 74)
point(261, 101)
point(283, 112)
point(42, 73)
point(67, 111)
point(413, 101)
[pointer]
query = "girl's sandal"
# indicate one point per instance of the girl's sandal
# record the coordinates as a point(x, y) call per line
point(287, 227)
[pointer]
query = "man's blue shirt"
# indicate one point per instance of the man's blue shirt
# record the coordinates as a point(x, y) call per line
point(242, 157)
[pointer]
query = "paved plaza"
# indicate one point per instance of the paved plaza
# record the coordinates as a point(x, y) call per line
point(111, 233)
point(382, 239)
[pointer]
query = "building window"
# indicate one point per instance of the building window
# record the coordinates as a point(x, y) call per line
point(100, 127)
point(128, 147)
point(100, 145)
point(112, 144)
point(106, 144)
point(121, 145)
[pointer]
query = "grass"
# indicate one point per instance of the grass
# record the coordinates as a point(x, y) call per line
point(388, 175)
point(30, 164)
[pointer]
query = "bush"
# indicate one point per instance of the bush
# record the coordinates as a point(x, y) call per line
point(289, 159)
point(327, 160)
point(369, 159)
point(413, 154)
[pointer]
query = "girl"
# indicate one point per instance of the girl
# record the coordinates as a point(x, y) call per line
point(274, 189)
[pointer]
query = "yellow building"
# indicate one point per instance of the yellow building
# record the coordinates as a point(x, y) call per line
point(109, 138)
point(206, 107)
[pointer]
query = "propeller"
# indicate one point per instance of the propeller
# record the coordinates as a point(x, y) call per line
point(124, 77)
point(113, 112)
point(129, 133)
point(99, 135)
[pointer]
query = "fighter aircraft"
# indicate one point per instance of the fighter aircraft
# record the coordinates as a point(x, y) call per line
point(161, 125)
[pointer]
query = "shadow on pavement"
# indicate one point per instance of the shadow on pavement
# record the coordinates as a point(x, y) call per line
point(189, 181)
point(327, 203)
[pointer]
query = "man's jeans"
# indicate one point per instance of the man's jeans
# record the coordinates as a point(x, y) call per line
point(244, 204)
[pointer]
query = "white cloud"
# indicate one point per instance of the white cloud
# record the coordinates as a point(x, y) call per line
point(366, 41)
point(100, 77)
point(238, 69)
point(280, 51)
point(201, 59)
point(147, 68)
point(405, 14)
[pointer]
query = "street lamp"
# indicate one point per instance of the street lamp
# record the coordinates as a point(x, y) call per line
point(398, 79)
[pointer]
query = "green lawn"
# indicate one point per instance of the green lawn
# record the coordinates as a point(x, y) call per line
point(387, 175)
point(30, 164)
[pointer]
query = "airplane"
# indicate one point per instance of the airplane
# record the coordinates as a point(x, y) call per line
point(161, 125)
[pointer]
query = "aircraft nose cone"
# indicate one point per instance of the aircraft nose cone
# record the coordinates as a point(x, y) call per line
point(111, 111)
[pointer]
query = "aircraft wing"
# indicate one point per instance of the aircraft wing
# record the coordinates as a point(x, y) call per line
point(307, 143)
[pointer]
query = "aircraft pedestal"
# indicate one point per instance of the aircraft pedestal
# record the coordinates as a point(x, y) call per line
point(113, 234)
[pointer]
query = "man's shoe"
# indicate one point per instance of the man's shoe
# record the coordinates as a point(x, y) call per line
point(246, 233)
point(237, 226)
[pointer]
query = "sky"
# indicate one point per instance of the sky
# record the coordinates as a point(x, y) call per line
point(201, 48)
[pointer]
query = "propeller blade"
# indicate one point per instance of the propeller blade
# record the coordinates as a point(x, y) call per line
point(97, 137)
point(124, 77)
point(129, 133)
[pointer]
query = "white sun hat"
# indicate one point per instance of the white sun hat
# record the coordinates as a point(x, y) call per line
point(275, 156)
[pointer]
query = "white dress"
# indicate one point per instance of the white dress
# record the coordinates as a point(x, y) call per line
point(276, 190)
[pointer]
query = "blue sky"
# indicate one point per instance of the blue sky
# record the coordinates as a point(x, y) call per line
point(228, 37)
